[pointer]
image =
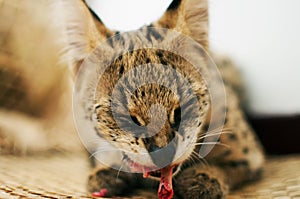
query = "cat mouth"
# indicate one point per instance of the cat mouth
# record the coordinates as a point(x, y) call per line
point(150, 171)
point(164, 175)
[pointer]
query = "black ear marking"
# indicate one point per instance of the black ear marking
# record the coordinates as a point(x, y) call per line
point(174, 5)
point(95, 16)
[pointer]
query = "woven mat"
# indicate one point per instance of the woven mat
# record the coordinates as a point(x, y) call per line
point(64, 176)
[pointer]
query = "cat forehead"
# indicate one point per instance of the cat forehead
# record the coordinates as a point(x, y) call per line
point(145, 68)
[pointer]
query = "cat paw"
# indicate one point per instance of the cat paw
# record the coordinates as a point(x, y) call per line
point(195, 183)
point(21, 134)
point(110, 182)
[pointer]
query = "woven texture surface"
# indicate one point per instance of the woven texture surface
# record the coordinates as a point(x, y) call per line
point(64, 176)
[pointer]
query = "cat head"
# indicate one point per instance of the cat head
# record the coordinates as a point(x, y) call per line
point(148, 99)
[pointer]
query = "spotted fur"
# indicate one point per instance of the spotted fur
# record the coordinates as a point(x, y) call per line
point(242, 158)
point(237, 159)
point(231, 166)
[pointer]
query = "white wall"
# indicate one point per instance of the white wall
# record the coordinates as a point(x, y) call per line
point(263, 37)
point(128, 14)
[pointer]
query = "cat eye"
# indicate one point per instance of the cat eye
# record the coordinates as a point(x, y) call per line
point(176, 118)
point(135, 120)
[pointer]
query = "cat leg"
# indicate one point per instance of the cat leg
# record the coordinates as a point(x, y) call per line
point(108, 182)
point(237, 160)
point(21, 134)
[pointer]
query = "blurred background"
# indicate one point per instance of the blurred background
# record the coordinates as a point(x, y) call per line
point(35, 103)
point(261, 37)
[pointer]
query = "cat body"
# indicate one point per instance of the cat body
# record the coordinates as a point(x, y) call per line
point(163, 112)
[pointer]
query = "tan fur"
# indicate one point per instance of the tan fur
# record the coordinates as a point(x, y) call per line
point(81, 32)
point(34, 82)
point(190, 18)
point(45, 80)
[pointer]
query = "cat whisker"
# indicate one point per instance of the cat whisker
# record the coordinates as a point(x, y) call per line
point(212, 143)
point(201, 159)
point(213, 134)
point(207, 143)
point(178, 169)
point(119, 170)
point(193, 158)
point(100, 151)
point(219, 131)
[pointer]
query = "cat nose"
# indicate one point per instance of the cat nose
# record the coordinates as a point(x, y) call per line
point(161, 156)
point(153, 148)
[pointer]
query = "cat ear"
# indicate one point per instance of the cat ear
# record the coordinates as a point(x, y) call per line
point(189, 17)
point(82, 30)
